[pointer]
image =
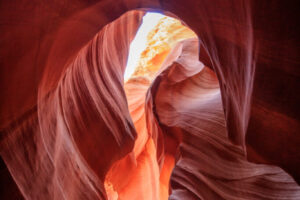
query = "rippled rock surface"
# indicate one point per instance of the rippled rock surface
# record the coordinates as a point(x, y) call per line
point(218, 120)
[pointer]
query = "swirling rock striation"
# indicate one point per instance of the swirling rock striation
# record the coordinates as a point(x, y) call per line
point(219, 123)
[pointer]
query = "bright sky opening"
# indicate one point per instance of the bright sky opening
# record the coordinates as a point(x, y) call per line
point(138, 45)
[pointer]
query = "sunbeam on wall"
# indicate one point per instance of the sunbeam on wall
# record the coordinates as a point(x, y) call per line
point(137, 46)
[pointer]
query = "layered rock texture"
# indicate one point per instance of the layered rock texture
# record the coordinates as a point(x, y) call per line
point(211, 111)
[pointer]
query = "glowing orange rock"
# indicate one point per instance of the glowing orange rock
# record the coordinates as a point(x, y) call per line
point(138, 175)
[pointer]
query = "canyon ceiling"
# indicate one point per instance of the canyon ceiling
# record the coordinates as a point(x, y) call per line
point(212, 112)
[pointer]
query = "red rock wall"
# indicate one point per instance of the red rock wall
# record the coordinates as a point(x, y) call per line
point(64, 115)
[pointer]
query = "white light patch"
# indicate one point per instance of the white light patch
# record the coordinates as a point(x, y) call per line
point(138, 44)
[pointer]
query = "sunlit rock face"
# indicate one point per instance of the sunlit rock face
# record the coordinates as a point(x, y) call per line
point(160, 41)
point(218, 120)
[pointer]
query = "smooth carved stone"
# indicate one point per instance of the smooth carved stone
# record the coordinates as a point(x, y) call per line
point(220, 119)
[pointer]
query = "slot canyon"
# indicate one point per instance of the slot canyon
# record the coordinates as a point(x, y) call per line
point(150, 100)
